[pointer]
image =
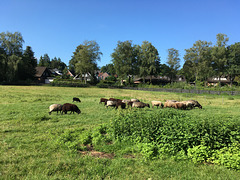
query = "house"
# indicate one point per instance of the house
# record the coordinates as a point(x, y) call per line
point(215, 80)
point(43, 75)
point(102, 76)
point(70, 73)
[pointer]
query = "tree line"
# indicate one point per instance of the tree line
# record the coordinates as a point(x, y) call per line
point(17, 64)
point(202, 61)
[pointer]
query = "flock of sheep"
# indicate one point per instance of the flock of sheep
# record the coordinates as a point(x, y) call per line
point(190, 104)
point(112, 102)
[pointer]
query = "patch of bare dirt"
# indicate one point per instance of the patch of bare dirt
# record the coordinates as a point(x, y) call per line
point(91, 152)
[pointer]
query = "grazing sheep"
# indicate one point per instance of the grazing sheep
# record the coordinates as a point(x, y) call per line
point(188, 104)
point(157, 103)
point(55, 107)
point(70, 107)
point(169, 104)
point(180, 105)
point(111, 103)
point(135, 100)
point(140, 105)
point(103, 100)
point(76, 99)
point(196, 104)
point(113, 99)
point(129, 104)
point(121, 104)
point(125, 101)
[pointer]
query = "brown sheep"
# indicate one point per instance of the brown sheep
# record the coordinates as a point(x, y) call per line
point(55, 107)
point(180, 105)
point(140, 105)
point(129, 104)
point(70, 107)
point(169, 104)
point(121, 104)
point(157, 103)
point(196, 104)
point(103, 100)
point(114, 99)
point(188, 104)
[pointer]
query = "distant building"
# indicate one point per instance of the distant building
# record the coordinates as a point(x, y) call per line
point(43, 75)
point(102, 76)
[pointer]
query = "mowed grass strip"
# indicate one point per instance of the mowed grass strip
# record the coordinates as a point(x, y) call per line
point(28, 149)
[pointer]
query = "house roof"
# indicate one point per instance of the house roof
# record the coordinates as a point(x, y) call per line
point(39, 71)
point(103, 74)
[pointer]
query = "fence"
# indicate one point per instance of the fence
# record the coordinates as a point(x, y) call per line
point(195, 91)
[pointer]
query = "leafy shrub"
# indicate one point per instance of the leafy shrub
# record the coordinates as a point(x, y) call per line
point(100, 135)
point(228, 156)
point(173, 133)
point(199, 154)
point(148, 150)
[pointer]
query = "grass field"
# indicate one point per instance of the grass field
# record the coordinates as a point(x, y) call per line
point(28, 135)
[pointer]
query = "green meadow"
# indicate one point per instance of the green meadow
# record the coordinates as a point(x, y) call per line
point(36, 145)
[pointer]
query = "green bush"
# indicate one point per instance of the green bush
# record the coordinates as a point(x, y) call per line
point(176, 134)
point(199, 154)
point(228, 156)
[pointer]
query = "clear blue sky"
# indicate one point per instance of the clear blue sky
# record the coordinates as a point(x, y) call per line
point(57, 27)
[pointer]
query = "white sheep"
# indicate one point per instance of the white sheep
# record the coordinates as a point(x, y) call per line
point(55, 107)
point(135, 100)
point(111, 103)
point(157, 103)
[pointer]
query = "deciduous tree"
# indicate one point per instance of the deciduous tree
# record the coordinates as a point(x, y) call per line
point(219, 56)
point(124, 59)
point(173, 61)
point(149, 60)
point(199, 56)
point(233, 61)
point(85, 57)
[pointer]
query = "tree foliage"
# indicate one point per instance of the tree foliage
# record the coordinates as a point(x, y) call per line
point(149, 60)
point(233, 61)
point(199, 59)
point(27, 69)
point(124, 59)
point(173, 61)
point(219, 56)
point(85, 57)
point(109, 68)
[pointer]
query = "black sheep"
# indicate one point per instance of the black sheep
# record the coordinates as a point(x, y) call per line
point(76, 99)
point(70, 107)
point(103, 100)
point(121, 104)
